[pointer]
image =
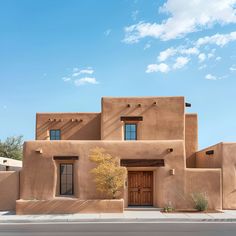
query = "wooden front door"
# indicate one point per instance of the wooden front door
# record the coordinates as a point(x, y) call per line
point(140, 188)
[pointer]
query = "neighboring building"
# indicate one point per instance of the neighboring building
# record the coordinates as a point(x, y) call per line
point(8, 164)
point(155, 139)
point(9, 183)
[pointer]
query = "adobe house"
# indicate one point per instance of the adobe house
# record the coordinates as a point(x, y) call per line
point(155, 139)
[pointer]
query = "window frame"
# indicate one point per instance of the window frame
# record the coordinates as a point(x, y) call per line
point(136, 130)
point(55, 135)
point(60, 182)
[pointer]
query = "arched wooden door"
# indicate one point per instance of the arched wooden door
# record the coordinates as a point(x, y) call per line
point(140, 188)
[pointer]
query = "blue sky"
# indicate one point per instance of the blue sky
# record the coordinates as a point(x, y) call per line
point(65, 55)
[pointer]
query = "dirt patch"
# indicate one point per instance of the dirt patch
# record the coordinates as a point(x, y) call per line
point(191, 211)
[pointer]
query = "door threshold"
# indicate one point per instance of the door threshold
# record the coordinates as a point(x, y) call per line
point(142, 208)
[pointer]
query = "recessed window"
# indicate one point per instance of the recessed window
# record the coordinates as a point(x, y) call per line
point(130, 131)
point(55, 134)
point(66, 179)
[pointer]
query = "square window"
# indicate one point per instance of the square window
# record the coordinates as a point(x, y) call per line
point(130, 131)
point(55, 134)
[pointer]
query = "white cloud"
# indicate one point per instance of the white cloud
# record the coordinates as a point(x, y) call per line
point(213, 77)
point(210, 77)
point(164, 55)
point(201, 57)
point(75, 78)
point(169, 52)
point(85, 80)
point(180, 62)
point(66, 79)
point(84, 71)
point(87, 71)
point(233, 68)
point(162, 67)
point(190, 51)
point(194, 16)
point(218, 58)
point(217, 39)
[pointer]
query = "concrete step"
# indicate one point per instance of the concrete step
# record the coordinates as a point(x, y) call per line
point(142, 208)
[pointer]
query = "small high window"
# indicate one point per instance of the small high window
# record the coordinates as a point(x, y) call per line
point(66, 179)
point(130, 131)
point(55, 134)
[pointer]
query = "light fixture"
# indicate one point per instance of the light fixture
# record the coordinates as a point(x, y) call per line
point(172, 171)
point(187, 104)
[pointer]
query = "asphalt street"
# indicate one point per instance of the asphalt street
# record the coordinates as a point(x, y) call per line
point(116, 228)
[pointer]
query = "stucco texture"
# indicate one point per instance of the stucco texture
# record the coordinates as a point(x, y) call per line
point(163, 120)
point(73, 126)
point(40, 175)
point(69, 205)
point(162, 124)
point(9, 189)
point(191, 139)
point(224, 157)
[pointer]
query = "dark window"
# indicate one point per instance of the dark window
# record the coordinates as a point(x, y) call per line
point(55, 134)
point(66, 179)
point(130, 131)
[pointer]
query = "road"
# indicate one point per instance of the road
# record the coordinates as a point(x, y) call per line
point(115, 229)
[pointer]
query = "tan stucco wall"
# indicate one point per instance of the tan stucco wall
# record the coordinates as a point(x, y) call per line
point(69, 205)
point(39, 175)
point(163, 121)
point(205, 181)
point(229, 175)
point(191, 139)
point(88, 129)
point(9, 189)
point(224, 157)
point(210, 161)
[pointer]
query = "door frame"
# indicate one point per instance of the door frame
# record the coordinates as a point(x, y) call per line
point(152, 188)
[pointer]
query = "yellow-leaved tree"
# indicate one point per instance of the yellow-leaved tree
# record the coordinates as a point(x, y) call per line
point(109, 175)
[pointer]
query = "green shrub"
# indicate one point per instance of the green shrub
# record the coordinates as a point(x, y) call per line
point(168, 207)
point(200, 201)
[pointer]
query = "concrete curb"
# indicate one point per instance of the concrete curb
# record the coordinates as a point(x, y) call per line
point(118, 220)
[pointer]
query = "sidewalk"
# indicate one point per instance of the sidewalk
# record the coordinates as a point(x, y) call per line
point(127, 216)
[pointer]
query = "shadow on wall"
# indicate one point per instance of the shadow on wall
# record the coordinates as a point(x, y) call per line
point(79, 130)
point(191, 161)
point(116, 117)
point(89, 131)
point(63, 206)
point(45, 127)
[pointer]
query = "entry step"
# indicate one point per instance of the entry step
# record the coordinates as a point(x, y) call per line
point(141, 208)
